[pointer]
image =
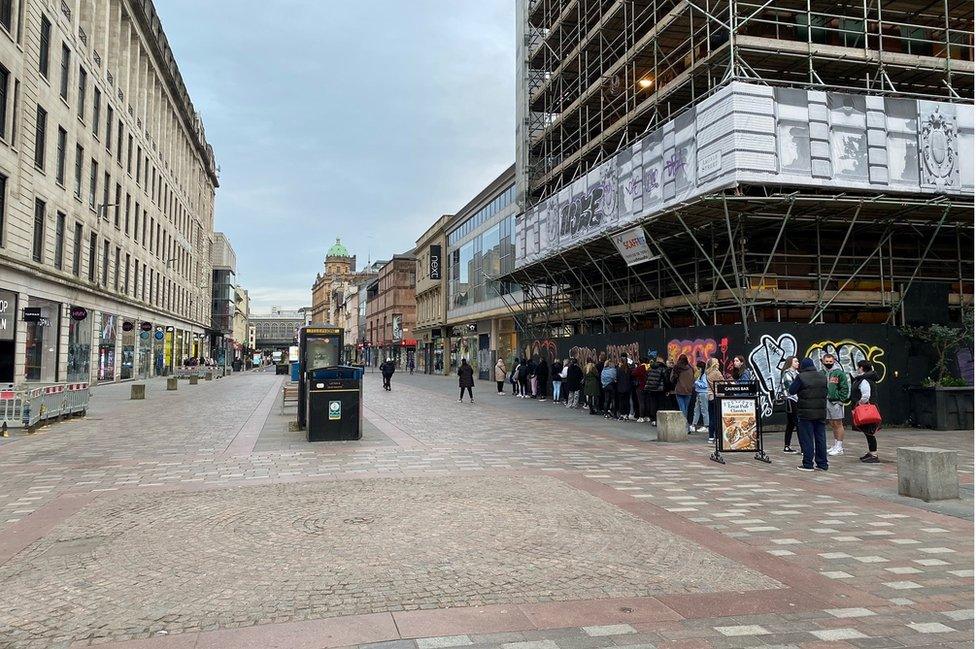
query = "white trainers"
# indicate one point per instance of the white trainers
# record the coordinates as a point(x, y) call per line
point(836, 450)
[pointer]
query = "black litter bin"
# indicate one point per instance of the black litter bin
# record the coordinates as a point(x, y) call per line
point(334, 404)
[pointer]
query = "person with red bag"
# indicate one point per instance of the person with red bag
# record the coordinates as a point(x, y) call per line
point(866, 417)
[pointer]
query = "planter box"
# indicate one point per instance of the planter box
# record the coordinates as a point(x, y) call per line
point(942, 408)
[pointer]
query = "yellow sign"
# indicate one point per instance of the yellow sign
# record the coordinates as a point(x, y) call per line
point(323, 331)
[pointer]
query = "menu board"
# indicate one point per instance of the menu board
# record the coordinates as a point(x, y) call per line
point(739, 428)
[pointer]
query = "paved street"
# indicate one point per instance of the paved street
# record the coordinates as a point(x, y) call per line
point(199, 519)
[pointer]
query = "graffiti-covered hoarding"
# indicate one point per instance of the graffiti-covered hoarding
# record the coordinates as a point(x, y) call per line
point(772, 344)
point(754, 134)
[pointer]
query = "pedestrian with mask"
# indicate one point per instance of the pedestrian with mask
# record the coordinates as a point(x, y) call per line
point(387, 368)
point(500, 373)
point(654, 387)
point(791, 369)
point(862, 390)
point(557, 380)
point(591, 386)
point(574, 383)
point(838, 392)
point(465, 380)
point(608, 381)
point(810, 388)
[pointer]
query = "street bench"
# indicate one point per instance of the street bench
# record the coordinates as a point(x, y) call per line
point(289, 395)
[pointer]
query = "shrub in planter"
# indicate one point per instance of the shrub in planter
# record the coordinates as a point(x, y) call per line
point(944, 402)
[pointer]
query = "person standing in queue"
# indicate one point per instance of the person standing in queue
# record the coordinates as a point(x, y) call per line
point(683, 377)
point(654, 387)
point(838, 392)
point(638, 378)
point(387, 369)
point(500, 374)
point(591, 386)
point(810, 388)
point(574, 383)
point(862, 388)
point(556, 370)
point(465, 380)
point(623, 389)
point(608, 381)
point(542, 379)
point(791, 368)
point(713, 375)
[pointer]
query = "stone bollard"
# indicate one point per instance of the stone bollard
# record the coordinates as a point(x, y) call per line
point(171, 383)
point(193, 379)
point(672, 426)
point(137, 391)
point(208, 376)
point(927, 473)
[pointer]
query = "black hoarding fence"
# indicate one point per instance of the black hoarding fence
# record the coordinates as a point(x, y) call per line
point(772, 343)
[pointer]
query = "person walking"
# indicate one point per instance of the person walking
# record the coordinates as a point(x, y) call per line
point(683, 377)
point(410, 364)
point(700, 412)
point(713, 375)
point(638, 379)
point(465, 380)
point(574, 383)
point(513, 376)
point(387, 368)
point(623, 389)
point(741, 372)
point(654, 387)
point(838, 392)
point(557, 380)
point(608, 381)
point(591, 386)
point(500, 374)
point(791, 369)
point(862, 389)
point(810, 388)
point(542, 379)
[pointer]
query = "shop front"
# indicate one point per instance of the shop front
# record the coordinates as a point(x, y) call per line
point(107, 334)
point(42, 322)
point(79, 343)
point(159, 351)
point(128, 360)
point(8, 331)
point(145, 350)
point(169, 342)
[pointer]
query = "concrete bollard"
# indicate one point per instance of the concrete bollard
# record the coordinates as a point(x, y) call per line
point(171, 383)
point(208, 376)
point(927, 473)
point(193, 379)
point(672, 426)
point(137, 391)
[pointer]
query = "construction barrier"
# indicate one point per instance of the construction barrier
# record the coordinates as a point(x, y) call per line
point(27, 407)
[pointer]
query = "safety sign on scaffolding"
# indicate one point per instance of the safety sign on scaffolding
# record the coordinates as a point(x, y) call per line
point(632, 246)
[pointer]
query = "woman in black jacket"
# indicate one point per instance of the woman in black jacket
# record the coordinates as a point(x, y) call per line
point(465, 380)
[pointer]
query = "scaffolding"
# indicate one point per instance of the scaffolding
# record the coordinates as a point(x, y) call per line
point(597, 75)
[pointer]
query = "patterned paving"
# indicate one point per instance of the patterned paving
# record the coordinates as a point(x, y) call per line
point(93, 511)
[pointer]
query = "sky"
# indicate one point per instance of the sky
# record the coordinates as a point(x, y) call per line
point(363, 120)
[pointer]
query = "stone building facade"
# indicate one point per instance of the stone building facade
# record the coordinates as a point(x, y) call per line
point(391, 305)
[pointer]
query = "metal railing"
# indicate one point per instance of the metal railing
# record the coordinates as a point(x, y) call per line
point(29, 406)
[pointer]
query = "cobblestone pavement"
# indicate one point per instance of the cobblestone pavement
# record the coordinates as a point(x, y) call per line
point(198, 519)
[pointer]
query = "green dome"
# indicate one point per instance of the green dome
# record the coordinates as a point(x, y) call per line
point(337, 250)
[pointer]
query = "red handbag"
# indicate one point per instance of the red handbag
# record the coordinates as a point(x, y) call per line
point(866, 414)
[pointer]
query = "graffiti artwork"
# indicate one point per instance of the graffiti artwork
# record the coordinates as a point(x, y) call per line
point(544, 349)
point(768, 360)
point(699, 349)
point(612, 351)
point(848, 353)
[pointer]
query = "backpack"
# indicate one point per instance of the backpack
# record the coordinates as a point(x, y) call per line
point(701, 384)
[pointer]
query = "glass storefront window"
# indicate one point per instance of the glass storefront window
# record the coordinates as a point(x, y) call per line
point(127, 366)
point(145, 354)
point(41, 361)
point(79, 345)
point(106, 347)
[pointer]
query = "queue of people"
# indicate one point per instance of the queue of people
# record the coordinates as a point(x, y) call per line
point(628, 389)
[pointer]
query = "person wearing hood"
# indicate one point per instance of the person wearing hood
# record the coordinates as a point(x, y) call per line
point(862, 389)
point(465, 380)
point(638, 379)
point(387, 368)
point(810, 388)
point(500, 374)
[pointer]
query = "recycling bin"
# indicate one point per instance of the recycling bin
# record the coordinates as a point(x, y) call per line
point(295, 370)
point(334, 404)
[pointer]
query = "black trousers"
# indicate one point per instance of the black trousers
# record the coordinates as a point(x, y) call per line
point(592, 402)
point(501, 384)
point(691, 407)
point(386, 382)
point(468, 388)
point(610, 399)
point(790, 427)
point(635, 400)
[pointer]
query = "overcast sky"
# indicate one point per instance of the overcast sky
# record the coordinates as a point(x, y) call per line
point(364, 120)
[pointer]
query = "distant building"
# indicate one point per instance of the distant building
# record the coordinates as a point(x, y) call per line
point(277, 330)
point(339, 265)
point(391, 306)
point(431, 291)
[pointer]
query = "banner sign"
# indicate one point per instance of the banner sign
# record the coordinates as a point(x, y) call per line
point(751, 134)
point(32, 314)
point(435, 261)
point(8, 311)
point(632, 246)
point(397, 327)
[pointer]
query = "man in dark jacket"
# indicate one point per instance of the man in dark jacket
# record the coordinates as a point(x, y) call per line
point(387, 369)
point(654, 388)
point(542, 378)
point(623, 388)
point(810, 387)
point(574, 383)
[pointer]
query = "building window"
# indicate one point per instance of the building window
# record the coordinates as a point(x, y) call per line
point(128, 205)
point(6, 13)
point(76, 251)
point(92, 256)
point(59, 241)
point(138, 164)
point(3, 205)
point(109, 120)
point(125, 283)
point(65, 71)
point(82, 92)
point(38, 251)
point(96, 110)
point(62, 153)
point(43, 63)
point(118, 206)
point(79, 167)
point(4, 87)
point(118, 149)
point(106, 187)
point(40, 138)
point(93, 183)
point(118, 266)
point(128, 157)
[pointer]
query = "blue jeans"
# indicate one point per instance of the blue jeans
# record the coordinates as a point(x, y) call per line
point(701, 410)
point(556, 388)
point(683, 401)
point(813, 442)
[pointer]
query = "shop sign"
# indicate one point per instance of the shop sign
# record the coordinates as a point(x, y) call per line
point(632, 246)
point(408, 342)
point(146, 326)
point(397, 326)
point(434, 267)
point(160, 335)
point(79, 313)
point(144, 335)
point(170, 329)
point(32, 314)
point(8, 308)
point(127, 326)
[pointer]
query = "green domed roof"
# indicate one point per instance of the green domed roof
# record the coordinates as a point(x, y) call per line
point(337, 250)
